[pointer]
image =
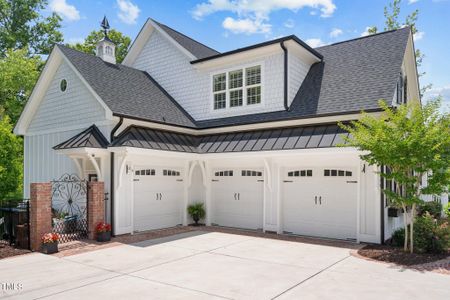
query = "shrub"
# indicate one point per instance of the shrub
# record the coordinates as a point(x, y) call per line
point(447, 210)
point(432, 207)
point(196, 211)
point(430, 235)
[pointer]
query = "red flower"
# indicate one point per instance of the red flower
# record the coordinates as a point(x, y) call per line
point(50, 238)
point(102, 227)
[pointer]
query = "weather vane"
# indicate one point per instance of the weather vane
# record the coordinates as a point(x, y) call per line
point(105, 25)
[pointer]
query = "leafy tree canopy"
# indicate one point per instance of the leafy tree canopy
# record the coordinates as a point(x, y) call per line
point(23, 26)
point(10, 160)
point(88, 46)
point(412, 141)
point(18, 74)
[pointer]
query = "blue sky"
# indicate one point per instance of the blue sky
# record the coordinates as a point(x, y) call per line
point(229, 24)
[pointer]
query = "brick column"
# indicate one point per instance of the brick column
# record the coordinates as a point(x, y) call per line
point(96, 205)
point(40, 213)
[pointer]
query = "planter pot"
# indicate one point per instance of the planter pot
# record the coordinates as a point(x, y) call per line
point(196, 219)
point(393, 212)
point(104, 236)
point(50, 248)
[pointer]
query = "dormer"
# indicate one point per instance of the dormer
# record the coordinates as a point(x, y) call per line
point(106, 49)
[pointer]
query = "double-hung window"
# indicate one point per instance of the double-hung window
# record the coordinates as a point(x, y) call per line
point(236, 88)
point(219, 90)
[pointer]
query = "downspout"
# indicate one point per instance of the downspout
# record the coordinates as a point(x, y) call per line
point(111, 195)
point(285, 88)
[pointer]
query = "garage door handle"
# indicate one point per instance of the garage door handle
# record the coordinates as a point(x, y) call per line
point(160, 196)
point(239, 196)
point(287, 181)
point(315, 199)
point(320, 200)
point(352, 181)
point(157, 196)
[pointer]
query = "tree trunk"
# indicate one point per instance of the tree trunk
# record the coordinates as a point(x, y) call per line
point(405, 222)
point(413, 210)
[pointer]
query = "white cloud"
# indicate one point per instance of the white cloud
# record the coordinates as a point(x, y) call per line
point(336, 32)
point(246, 26)
point(67, 11)
point(261, 8)
point(418, 35)
point(366, 32)
point(75, 40)
point(443, 91)
point(314, 43)
point(412, 1)
point(289, 23)
point(258, 11)
point(128, 12)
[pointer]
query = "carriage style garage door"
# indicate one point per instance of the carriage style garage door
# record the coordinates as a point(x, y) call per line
point(320, 202)
point(158, 197)
point(237, 198)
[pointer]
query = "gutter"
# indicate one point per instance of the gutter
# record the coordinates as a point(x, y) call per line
point(285, 88)
point(111, 139)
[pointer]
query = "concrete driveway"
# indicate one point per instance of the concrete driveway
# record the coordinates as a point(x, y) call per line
point(213, 265)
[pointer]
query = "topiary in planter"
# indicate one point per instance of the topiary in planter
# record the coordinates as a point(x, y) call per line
point(196, 211)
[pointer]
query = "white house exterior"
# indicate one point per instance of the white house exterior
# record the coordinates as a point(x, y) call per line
point(252, 133)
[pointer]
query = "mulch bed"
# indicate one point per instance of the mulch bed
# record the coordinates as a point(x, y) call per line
point(397, 256)
point(8, 251)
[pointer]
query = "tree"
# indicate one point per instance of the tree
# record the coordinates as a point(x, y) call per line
point(18, 77)
point(391, 14)
point(412, 142)
point(88, 46)
point(23, 26)
point(10, 160)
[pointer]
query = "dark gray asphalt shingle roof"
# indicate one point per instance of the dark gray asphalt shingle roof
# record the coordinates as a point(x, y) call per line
point(127, 91)
point(91, 137)
point(353, 76)
point(197, 49)
point(300, 137)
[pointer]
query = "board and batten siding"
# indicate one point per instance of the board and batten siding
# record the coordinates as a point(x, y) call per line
point(59, 116)
point(192, 88)
point(74, 107)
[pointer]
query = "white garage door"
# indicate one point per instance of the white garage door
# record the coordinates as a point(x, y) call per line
point(320, 202)
point(237, 198)
point(158, 198)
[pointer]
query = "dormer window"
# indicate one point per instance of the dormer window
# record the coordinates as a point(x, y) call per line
point(240, 87)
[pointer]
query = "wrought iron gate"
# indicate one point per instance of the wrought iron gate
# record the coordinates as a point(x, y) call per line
point(15, 223)
point(69, 208)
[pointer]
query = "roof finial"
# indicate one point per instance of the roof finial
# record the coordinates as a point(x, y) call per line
point(105, 25)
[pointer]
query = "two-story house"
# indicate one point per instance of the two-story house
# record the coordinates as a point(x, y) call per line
point(251, 132)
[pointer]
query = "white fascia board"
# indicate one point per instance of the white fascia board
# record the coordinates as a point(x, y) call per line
point(239, 57)
point(51, 66)
point(82, 152)
point(298, 50)
point(224, 155)
point(142, 39)
point(254, 126)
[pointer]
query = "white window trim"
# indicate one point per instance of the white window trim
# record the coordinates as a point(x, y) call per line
point(227, 90)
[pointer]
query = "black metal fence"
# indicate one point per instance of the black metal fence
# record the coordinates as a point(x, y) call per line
point(69, 208)
point(15, 223)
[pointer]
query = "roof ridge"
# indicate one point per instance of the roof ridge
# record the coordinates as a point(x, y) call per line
point(366, 36)
point(180, 33)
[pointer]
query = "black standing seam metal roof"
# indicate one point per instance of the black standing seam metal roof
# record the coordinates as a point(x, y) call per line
point(320, 136)
point(91, 138)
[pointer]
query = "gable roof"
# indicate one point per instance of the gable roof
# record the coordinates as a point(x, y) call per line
point(197, 49)
point(353, 76)
point(128, 91)
point(300, 137)
point(91, 138)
